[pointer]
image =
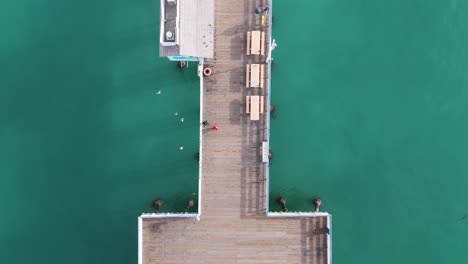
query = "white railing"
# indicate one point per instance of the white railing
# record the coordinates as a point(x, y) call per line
point(200, 150)
point(168, 215)
point(297, 214)
point(140, 240)
point(267, 128)
point(329, 240)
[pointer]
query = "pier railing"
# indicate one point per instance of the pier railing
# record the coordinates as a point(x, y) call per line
point(140, 240)
point(297, 214)
point(200, 147)
point(329, 240)
point(267, 127)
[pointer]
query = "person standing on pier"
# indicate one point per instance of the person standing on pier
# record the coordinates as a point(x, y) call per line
point(205, 123)
point(214, 128)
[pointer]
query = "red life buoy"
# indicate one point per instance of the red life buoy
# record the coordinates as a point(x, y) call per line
point(207, 71)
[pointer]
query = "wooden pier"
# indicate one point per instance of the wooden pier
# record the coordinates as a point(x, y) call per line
point(233, 227)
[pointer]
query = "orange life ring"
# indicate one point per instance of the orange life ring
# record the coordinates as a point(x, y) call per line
point(207, 71)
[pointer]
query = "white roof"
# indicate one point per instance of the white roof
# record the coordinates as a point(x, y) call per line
point(196, 28)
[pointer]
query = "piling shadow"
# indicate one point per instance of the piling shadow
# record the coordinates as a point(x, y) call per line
point(253, 194)
point(314, 234)
point(156, 225)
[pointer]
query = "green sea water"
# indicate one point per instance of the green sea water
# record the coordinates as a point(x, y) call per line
point(372, 116)
point(86, 144)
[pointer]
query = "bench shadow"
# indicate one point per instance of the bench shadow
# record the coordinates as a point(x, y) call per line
point(237, 44)
point(236, 79)
point(235, 112)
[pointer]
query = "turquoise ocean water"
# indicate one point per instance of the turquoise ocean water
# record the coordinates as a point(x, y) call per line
point(372, 116)
point(86, 144)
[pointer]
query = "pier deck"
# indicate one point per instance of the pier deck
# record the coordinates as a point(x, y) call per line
point(233, 226)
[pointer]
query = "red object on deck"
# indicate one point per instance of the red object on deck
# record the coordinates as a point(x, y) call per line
point(214, 128)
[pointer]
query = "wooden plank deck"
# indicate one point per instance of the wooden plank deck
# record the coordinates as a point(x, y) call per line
point(220, 240)
point(233, 227)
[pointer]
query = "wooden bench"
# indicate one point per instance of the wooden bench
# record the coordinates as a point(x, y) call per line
point(255, 42)
point(254, 106)
point(254, 75)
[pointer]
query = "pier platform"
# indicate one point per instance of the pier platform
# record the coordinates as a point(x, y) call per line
point(233, 225)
